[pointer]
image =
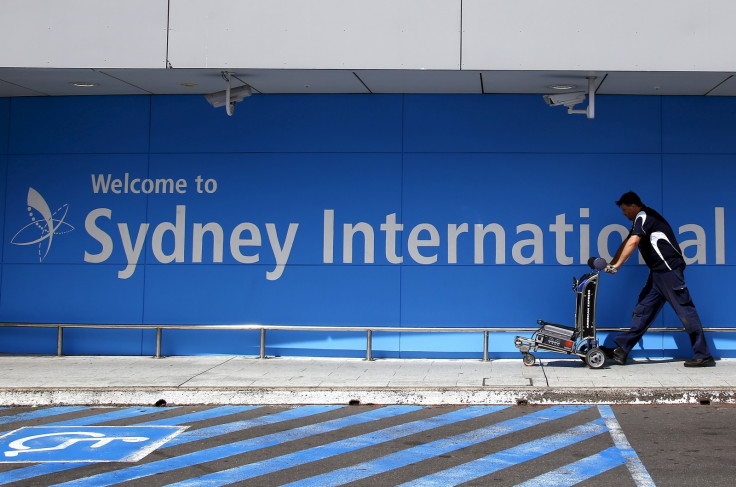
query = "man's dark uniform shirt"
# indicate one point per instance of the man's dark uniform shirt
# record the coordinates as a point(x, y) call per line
point(658, 245)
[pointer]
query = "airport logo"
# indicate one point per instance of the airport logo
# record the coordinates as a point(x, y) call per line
point(43, 226)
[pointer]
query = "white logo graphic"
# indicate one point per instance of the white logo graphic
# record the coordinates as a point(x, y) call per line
point(43, 222)
point(97, 440)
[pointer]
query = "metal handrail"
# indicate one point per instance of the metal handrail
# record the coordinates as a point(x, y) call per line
point(368, 330)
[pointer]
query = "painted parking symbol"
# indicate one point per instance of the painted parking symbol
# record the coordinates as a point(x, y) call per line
point(41, 444)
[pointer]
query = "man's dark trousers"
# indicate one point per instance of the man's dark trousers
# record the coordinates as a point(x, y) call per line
point(661, 287)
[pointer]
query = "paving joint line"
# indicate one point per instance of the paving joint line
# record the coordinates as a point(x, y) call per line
point(205, 371)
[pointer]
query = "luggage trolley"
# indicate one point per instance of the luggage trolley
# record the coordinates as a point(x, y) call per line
point(580, 340)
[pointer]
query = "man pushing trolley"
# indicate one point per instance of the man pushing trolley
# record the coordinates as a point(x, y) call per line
point(656, 241)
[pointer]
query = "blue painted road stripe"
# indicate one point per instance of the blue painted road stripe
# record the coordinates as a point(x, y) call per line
point(436, 448)
point(49, 468)
point(109, 416)
point(39, 413)
point(211, 413)
point(508, 458)
point(336, 448)
point(223, 429)
point(579, 471)
point(237, 448)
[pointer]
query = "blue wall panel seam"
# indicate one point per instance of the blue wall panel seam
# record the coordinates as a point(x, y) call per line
point(401, 268)
point(5, 199)
point(148, 201)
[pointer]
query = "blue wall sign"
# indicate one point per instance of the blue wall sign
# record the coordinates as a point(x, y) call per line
point(414, 210)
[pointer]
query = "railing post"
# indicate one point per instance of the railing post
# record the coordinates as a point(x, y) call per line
point(263, 343)
point(369, 345)
point(485, 345)
point(158, 342)
point(59, 340)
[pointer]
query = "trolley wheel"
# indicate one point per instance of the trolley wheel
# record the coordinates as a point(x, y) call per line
point(529, 359)
point(595, 358)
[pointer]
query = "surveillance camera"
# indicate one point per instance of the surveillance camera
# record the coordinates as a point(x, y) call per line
point(567, 99)
point(236, 95)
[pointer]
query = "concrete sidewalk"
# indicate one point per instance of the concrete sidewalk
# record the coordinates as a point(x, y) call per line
point(95, 380)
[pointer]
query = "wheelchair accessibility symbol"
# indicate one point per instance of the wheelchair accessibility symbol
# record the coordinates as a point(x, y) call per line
point(84, 443)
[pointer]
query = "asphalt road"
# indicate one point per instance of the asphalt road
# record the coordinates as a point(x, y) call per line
point(683, 445)
point(369, 445)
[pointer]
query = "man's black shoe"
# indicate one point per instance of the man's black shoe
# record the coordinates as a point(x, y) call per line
point(607, 351)
point(700, 362)
point(620, 356)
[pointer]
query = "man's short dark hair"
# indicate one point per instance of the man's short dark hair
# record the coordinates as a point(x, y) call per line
point(629, 198)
